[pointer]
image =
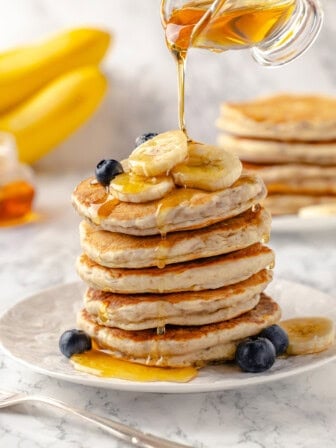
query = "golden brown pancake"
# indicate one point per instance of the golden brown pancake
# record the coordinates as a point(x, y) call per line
point(286, 172)
point(181, 346)
point(141, 311)
point(306, 187)
point(296, 178)
point(182, 209)
point(282, 117)
point(287, 204)
point(119, 250)
point(206, 273)
point(276, 151)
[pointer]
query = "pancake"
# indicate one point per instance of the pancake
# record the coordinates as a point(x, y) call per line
point(190, 319)
point(312, 187)
point(118, 250)
point(282, 117)
point(138, 312)
point(181, 209)
point(296, 178)
point(271, 151)
point(197, 275)
point(182, 346)
point(287, 204)
point(288, 172)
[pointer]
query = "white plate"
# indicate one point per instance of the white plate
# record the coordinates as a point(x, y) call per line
point(30, 330)
point(293, 223)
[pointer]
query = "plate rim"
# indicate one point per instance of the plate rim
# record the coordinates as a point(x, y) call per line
point(158, 386)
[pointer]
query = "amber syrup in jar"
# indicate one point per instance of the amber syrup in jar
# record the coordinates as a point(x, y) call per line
point(16, 186)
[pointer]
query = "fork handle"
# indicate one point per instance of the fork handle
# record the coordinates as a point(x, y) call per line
point(131, 435)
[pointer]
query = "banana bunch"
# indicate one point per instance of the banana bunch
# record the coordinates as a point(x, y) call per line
point(167, 160)
point(48, 90)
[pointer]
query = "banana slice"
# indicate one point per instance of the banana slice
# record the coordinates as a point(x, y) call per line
point(207, 168)
point(318, 210)
point(309, 334)
point(159, 155)
point(129, 187)
point(125, 164)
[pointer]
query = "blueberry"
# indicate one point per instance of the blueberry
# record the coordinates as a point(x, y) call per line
point(74, 341)
point(278, 337)
point(106, 170)
point(255, 355)
point(144, 137)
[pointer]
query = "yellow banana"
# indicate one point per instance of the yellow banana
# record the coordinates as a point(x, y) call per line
point(309, 334)
point(26, 70)
point(54, 112)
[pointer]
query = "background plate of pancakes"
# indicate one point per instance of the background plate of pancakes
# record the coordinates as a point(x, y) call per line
point(290, 141)
point(30, 330)
point(294, 223)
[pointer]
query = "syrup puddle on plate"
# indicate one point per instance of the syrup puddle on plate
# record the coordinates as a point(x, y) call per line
point(101, 364)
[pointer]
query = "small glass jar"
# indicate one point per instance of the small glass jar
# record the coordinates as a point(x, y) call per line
point(16, 184)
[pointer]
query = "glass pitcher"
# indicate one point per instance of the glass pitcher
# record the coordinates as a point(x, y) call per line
point(276, 31)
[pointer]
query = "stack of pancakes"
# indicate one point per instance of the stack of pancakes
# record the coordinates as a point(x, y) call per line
point(177, 281)
point(290, 141)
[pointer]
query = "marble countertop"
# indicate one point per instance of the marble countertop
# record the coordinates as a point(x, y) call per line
point(298, 412)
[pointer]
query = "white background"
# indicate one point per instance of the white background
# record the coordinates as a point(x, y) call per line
point(142, 74)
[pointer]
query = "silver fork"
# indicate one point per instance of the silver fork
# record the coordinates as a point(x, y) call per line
point(123, 432)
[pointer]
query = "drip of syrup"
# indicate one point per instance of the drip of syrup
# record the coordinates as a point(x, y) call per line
point(270, 266)
point(107, 208)
point(161, 253)
point(102, 312)
point(265, 238)
point(255, 208)
point(174, 199)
